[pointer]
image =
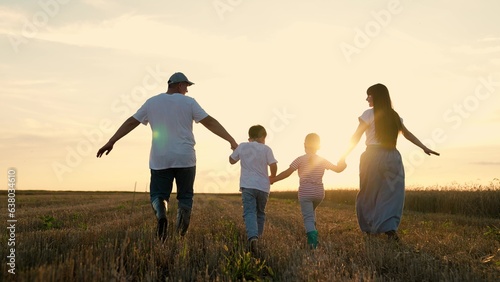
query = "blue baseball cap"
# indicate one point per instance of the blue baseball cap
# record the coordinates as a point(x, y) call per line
point(179, 77)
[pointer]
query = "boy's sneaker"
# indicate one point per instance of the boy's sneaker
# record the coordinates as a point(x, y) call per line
point(392, 236)
point(252, 245)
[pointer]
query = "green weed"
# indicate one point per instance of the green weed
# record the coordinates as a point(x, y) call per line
point(243, 266)
point(49, 222)
point(493, 232)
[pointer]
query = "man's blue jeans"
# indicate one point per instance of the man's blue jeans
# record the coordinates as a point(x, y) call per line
point(254, 211)
point(162, 183)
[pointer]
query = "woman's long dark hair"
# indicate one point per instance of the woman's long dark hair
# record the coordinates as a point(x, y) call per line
point(387, 121)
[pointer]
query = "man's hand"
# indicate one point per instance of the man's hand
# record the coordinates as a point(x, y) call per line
point(124, 129)
point(105, 149)
point(234, 145)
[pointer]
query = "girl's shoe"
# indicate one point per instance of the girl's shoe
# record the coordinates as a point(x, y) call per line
point(312, 239)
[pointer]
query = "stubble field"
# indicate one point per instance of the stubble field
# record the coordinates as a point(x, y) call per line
point(99, 236)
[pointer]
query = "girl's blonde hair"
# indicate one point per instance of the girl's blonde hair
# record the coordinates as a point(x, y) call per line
point(312, 141)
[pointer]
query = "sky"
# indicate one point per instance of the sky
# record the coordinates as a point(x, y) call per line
point(72, 71)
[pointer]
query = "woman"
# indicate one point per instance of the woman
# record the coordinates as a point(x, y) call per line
point(379, 203)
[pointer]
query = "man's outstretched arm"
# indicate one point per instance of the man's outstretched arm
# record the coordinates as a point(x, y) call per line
point(124, 129)
point(215, 127)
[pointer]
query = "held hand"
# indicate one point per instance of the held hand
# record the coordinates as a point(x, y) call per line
point(341, 164)
point(105, 149)
point(429, 152)
point(343, 157)
point(271, 180)
point(341, 160)
point(234, 145)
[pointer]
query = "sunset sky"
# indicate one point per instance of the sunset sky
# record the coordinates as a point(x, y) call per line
point(73, 70)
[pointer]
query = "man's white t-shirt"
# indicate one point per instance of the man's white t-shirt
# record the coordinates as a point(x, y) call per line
point(171, 118)
point(255, 158)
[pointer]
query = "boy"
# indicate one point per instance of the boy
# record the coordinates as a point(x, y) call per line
point(255, 157)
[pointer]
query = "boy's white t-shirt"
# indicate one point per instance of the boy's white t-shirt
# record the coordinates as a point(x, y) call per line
point(171, 118)
point(255, 158)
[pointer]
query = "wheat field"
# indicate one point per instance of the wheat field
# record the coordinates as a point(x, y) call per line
point(110, 236)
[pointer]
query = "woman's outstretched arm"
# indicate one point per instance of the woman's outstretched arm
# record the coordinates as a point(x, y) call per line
point(413, 139)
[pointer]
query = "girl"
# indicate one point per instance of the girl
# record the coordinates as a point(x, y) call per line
point(311, 168)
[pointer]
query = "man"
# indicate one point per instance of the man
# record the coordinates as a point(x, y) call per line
point(172, 155)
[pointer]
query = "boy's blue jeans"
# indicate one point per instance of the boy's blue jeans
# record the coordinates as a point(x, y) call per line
point(254, 211)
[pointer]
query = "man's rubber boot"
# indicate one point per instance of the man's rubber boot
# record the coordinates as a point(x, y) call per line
point(160, 209)
point(183, 219)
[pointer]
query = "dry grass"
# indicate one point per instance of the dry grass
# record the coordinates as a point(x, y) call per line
point(75, 236)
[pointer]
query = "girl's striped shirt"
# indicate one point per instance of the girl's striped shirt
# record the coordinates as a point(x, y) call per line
point(311, 168)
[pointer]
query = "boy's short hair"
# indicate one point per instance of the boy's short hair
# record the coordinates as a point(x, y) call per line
point(257, 131)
